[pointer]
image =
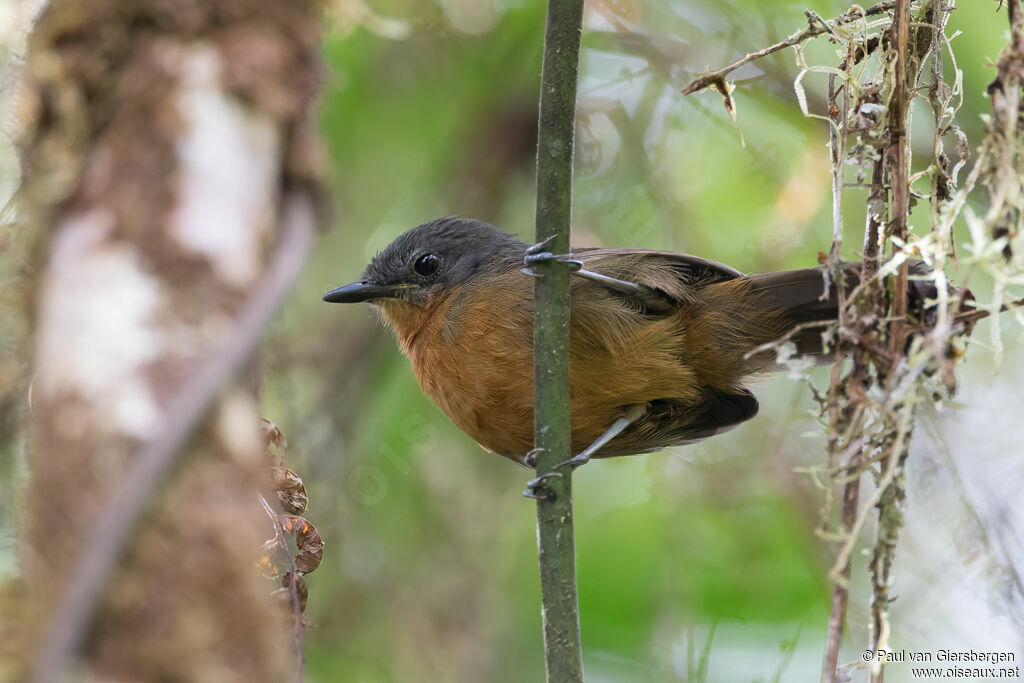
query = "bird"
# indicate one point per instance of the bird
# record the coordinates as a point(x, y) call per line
point(661, 343)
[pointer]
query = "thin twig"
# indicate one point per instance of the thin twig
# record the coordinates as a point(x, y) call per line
point(872, 227)
point(841, 585)
point(815, 27)
point(116, 521)
point(887, 477)
point(293, 589)
point(942, 332)
point(899, 105)
point(1016, 24)
point(837, 417)
point(890, 491)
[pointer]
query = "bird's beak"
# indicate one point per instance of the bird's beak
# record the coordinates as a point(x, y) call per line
point(363, 291)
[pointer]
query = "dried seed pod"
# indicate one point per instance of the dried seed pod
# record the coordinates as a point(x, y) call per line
point(291, 492)
point(307, 540)
point(275, 447)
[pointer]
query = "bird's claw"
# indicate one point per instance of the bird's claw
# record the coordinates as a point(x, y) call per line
point(537, 487)
point(536, 254)
point(534, 249)
point(530, 459)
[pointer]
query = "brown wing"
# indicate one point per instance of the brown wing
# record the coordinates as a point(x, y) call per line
point(675, 276)
point(625, 352)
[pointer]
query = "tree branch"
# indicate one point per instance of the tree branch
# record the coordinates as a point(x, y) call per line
point(555, 138)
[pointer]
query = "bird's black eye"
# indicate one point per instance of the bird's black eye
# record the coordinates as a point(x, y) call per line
point(426, 265)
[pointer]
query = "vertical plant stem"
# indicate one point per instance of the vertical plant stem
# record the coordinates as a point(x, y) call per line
point(876, 195)
point(1016, 25)
point(938, 98)
point(892, 484)
point(555, 137)
point(841, 588)
point(837, 144)
point(899, 105)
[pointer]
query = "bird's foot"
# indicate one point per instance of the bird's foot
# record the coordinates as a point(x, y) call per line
point(538, 487)
point(538, 253)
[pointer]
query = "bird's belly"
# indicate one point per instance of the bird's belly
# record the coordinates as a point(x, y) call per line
point(492, 402)
point(490, 398)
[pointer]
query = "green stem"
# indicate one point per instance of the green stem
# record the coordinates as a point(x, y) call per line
point(562, 651)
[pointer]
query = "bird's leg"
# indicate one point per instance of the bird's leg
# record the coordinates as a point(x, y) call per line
point(632, 414)
point(538, 488)
point(649, 297)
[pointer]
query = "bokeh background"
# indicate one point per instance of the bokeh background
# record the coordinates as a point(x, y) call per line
point(695, 564)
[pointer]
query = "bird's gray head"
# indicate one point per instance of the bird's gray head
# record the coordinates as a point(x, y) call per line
point(430, 259)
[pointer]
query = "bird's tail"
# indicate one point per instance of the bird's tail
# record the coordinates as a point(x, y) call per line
point(809, 297)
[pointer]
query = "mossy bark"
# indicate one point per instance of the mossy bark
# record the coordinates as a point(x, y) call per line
point(162, 140)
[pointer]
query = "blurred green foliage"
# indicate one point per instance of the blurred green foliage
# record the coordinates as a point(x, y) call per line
point(430, 571)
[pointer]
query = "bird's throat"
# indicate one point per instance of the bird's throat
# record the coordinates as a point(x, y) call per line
point(407, 321)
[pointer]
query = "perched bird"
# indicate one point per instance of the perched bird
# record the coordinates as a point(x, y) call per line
point(661, 343)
